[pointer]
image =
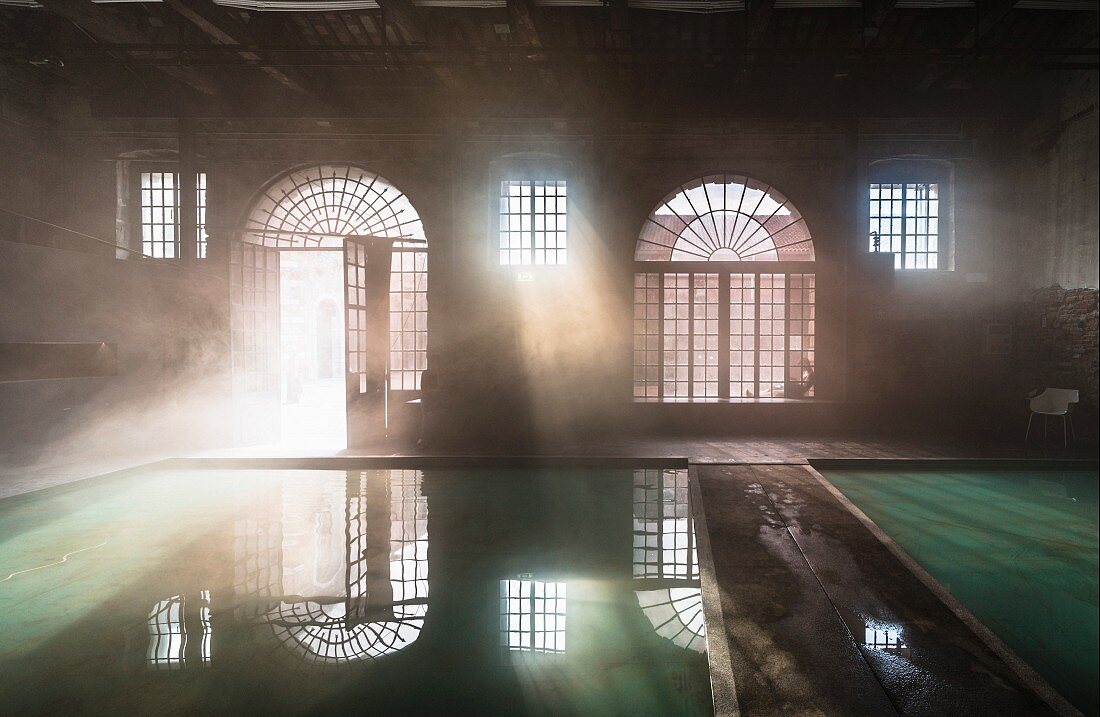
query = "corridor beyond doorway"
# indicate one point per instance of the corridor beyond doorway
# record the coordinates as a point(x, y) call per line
point(311, 302)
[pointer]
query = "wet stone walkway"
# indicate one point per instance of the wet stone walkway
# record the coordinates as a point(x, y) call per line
point(823, 620)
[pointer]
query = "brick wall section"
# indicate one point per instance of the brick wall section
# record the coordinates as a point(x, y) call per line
point(1056, 345)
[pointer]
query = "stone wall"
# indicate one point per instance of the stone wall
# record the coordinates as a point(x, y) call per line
point(1056, 346)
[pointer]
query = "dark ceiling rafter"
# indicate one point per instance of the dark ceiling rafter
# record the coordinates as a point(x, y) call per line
point(875, 13)
point(408, 19)
point(757, 21)
point(525, 32)
point(225, 29)
point(103, 24)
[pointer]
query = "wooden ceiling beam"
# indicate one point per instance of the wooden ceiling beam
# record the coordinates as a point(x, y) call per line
point(102, 24)
point(224, 29)
point(758, 18)
point(407, 18)
point(990, 12)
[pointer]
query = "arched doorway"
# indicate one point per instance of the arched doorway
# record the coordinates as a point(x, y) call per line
point(327, 209)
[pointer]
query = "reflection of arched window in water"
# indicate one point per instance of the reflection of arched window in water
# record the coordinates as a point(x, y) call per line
point(666, 563)
point(350, 581)
point(168, 638)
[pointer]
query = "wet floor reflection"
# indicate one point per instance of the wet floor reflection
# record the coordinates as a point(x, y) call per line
point(308, 592)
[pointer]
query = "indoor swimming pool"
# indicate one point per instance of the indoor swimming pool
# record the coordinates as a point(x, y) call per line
point(1018, 548)
point(504, 591)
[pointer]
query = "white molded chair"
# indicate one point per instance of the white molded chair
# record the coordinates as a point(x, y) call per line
point(1053, 402)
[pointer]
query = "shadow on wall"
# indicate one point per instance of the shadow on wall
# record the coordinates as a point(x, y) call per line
point(1056, 346)
point(162, 390)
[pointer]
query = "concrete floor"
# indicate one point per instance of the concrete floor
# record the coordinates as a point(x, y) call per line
point(802, 580)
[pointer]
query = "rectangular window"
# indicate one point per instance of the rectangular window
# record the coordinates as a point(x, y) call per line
point(533, 222)
point(904, 219)
point(160, 203)
point(532, 615)
point(160, 214)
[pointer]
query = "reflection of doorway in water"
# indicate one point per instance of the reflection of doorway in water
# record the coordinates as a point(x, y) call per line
point(312, 348)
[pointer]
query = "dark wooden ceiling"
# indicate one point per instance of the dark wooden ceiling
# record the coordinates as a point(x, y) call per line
point(199, 52)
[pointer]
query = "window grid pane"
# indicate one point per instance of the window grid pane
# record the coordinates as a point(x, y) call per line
point(200, 215)
point(773, 329)
point(408, 319)
point(160, 204)
point(801, 317)
point(905, 218)
point(676, 337)
point(533, 222)
point(704, 338)
point(743, 336)
point(664, 538)
point(647, 333)
point(532, 616)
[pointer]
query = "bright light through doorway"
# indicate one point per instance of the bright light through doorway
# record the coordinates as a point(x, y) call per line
point(311, 301)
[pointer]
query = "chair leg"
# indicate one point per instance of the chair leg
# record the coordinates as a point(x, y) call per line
point(1046, 431)
point(1028, 432)
point(1065, 438)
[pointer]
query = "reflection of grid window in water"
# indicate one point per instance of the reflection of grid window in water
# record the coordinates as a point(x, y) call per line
point(906, 219)
point(168, 632)
point(408, 538)
point(408, 543)
point(408, 319)
point(160, 204)
point(664, 538)
point(533, 222)
point(647, 336)
point(742, 335)
point(800, 336)
point(677, 325)
point(200, 215)
point(532, 615)
point(704, 339)
point(887, 640)
point(773, 329)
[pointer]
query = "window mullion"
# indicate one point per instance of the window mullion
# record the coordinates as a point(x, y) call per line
point(756, 337)
point(724, 334)
point(661, 336)
point(691, 336)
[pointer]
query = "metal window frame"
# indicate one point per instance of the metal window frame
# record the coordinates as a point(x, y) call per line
point(138, 168)
point(724, 271)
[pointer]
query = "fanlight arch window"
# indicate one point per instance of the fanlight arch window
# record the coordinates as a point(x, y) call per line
point(724, 293)
point(317, 207)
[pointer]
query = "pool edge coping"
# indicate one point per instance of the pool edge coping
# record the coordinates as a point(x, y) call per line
point(1023, 670)
point(723, 687)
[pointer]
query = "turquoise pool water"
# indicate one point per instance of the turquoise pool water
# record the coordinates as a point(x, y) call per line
point(1018, 548)
point(507, 592)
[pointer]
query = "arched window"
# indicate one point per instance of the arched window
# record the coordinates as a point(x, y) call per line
point(317, 207)
point(724, 290)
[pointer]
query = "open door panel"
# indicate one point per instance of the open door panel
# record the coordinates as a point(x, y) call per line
point(366, 305)
point(254, 342)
